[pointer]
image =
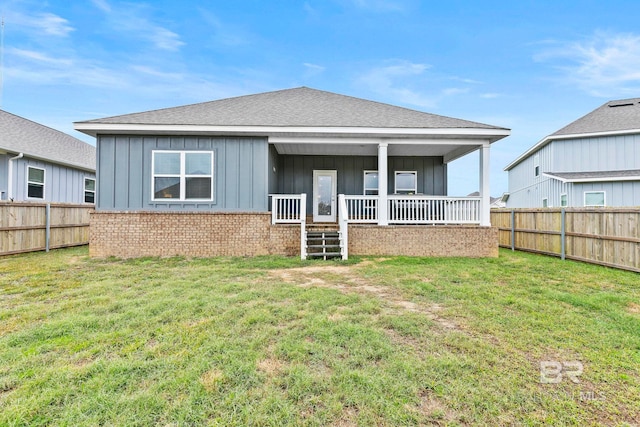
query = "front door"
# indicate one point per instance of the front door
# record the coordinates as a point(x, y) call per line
point(324, 196)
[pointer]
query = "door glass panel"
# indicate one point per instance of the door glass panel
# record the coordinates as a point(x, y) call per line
point(325, 187)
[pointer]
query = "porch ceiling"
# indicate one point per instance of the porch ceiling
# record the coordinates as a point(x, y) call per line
point(449, 151)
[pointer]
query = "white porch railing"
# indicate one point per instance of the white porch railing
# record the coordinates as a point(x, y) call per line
point(287, 208)
point(291, 209)
point(362, 209)
point(413, 209)
point(433, 210)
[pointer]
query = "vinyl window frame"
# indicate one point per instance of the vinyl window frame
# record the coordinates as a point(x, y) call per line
point(408, 191)
point(35, 183)
point(564, 202)
point(87, 192)
point(604, 198)
point(536, 165)
point(183, 176)
point(364, 183)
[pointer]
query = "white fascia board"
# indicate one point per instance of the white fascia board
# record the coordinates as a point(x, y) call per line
point(374, 141)
point(555, 177)
point(115, 128)
point(601, 179)
point(551, 138)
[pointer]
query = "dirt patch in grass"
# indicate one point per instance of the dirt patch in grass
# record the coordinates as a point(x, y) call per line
point(270, 366)
point(633, 308)
point(347, 280)
point(211, 379)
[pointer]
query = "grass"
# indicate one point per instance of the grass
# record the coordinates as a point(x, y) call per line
point(278, 341)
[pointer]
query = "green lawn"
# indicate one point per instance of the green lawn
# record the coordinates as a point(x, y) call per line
point(278, 341)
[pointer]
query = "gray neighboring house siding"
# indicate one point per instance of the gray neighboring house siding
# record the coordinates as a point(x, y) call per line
point(581, 147)
point(124, 172)
point(66, 161)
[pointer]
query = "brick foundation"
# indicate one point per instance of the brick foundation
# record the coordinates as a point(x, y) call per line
point(426, 240)
point(197, 234)
point(207, 234)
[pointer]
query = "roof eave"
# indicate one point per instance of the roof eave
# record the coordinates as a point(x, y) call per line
point(53, 161)
point(554, 137)
point(93, 129)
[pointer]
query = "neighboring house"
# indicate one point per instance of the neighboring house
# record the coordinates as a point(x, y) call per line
point(40, 164)
point(594, 161)
point(238, 176)
point(494, 202)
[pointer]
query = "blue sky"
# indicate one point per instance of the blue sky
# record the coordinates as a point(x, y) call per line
point(531, 66)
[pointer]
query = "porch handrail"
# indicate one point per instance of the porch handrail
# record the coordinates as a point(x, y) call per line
point(417, 209)
point(343, 221)
point(287, 208)
point(362, 209)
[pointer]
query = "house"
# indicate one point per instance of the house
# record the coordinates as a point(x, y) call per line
point(494, 202)
point(40, 164)
point(594, 161)
point(238, 176)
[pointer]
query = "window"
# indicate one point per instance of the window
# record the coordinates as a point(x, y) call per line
point(370, 183)
point(594, 198)
point(536, 165)
point(182, 175)
point(35, 183)
point(89, 190)
point(406, 182)
point(545, 203)
point(563, 200)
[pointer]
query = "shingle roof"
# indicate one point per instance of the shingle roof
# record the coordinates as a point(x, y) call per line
point(612, 117)
point(293, 107)
point(20, 135)
point(596, 175)
point(619, 115)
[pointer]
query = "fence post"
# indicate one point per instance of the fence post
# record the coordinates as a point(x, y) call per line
point(563, 217)
point(47, 215)
point(513, 230)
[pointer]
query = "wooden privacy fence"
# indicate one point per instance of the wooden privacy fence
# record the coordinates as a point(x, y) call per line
point(29, 227)
point(604, 236)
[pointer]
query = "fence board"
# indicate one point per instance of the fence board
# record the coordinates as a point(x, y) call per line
point(604, 236)
point(23, 226)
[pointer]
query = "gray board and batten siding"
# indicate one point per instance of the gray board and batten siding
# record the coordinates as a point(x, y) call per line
point(62, 184)
point(246, 171)
point(295, 173)
point(239, 172)
point(604, 153)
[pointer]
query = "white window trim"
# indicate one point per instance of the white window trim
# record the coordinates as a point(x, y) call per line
point(43, 183)
point(364, 181)
point(182, 176)
point(545, 202)
point(395, 182)
point(567, 197)
point(85, 191)
point(604, 198)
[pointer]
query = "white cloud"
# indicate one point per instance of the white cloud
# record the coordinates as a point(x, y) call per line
point(393, 82)
point(132, 19)
point(47, 24)
point(103, 5)
point(39, 57)
point(604, 65)
point(312, 70)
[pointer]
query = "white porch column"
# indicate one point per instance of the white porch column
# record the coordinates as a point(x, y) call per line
point(383, 176)
point(485, 192)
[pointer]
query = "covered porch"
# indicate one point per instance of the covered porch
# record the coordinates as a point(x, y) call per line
point(381, 192)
